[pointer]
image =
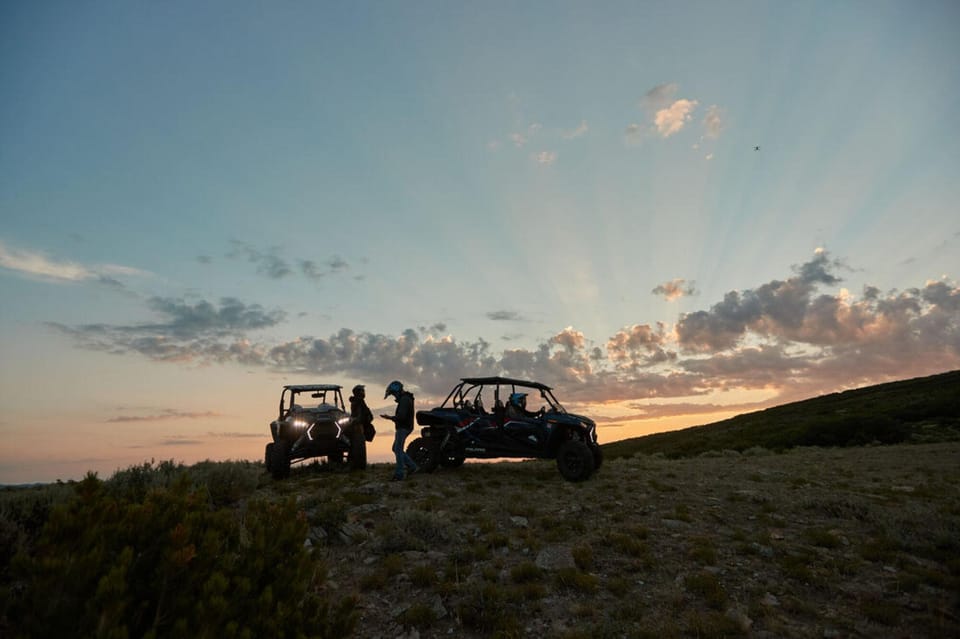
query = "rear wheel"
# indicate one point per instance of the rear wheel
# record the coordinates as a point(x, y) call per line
point(425, 453)
point(574, 460)
point(268, 457)
point(452, 461)
point(280, 464)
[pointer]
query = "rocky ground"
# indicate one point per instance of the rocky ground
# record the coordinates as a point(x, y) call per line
point(860, 542)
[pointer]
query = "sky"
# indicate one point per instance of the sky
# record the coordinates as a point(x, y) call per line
point(671, 212)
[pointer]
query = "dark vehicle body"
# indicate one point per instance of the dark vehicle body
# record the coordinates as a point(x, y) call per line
point(463, 427)
point(322, 429)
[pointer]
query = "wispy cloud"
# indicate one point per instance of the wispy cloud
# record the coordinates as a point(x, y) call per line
point(545, 158)
point(271, 263)
point(268, 262)
point(675, 288)
point(165, 414)
point(713, 121)
point(37, 264)
point(580, 131)
point(504, 316)
point(183, 332)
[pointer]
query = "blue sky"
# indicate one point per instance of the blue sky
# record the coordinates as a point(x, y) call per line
point(200, 202)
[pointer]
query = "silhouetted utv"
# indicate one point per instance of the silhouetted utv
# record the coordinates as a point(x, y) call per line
point(462, 427)
point(322, 429)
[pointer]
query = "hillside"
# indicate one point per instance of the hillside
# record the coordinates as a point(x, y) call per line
point(925, 409)
point(843, 542)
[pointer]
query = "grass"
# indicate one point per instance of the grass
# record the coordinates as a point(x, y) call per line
point(922, 410)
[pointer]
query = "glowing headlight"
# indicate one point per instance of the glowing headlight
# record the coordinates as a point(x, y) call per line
point(299, 423)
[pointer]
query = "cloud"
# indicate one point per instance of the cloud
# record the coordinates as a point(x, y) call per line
point(772, 307)
point(268, 263)
point(39, 265)
point(580, 131)
point(675, 288)
point(659, 97)
point(545, 158)
point(673, 118)
point(332, 266)
point(163, 415)
point(790, 338)
point(667, 116)
point(639, 346)
point(186, 332)
point(179, 441)
point(713, 121)
point(272, 264)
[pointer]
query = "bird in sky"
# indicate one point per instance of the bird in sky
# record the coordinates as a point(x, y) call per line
point(756, 148)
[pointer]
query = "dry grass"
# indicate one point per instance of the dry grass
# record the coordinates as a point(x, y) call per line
point(810, 543)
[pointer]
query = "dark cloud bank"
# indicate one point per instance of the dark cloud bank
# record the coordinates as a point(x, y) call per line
point(790, 336)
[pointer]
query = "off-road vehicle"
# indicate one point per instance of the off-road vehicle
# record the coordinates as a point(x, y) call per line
point(464, 427)
point(321, 428)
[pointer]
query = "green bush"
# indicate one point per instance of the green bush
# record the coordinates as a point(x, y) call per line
point(170, 564)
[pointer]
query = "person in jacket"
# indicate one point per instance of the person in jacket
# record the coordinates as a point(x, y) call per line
point(403, 419)
point(517, 407)
point(361, 413)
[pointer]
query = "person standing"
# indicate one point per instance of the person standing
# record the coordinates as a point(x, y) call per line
point(361, 413)
point(403, 419)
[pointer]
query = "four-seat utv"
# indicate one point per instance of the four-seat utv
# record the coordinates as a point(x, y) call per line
point(476, 420)
point(323, 428)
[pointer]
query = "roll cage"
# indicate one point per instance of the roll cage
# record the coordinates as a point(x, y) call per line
point(330, 394)
point(467, 394)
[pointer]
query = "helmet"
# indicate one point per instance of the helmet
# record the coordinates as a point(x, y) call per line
point(359, 390)
point(518, 399)
point(394, 388)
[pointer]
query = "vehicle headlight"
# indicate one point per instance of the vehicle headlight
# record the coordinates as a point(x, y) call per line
point(341, 424)
point(299, 423)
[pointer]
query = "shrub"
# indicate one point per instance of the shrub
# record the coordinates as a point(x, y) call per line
point(525, 572)
point(170, 564)
point(707, 585)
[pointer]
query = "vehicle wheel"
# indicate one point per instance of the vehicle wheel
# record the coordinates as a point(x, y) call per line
point(358, 453)
point(425, 453)
point(280, 460)
point(268, 457)
point(452, 461)
point(575, 460)
point(597, 457)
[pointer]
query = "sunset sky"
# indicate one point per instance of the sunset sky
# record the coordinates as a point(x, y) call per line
point(203, 201)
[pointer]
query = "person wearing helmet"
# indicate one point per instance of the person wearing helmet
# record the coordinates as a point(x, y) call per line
point(404, 423)
point(517, 407)
point(361, 413)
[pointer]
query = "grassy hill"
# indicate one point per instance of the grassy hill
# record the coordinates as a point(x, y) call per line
point(814, 542)
point(925, 409)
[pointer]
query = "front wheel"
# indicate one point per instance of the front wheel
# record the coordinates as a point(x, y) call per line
point(597, 456)
point(425, 453)
point(575, 461)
